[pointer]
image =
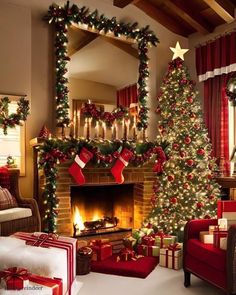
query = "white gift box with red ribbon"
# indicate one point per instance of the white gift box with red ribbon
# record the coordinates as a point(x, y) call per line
point(67, 246)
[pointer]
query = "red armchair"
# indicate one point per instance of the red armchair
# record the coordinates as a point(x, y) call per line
point(211, 264)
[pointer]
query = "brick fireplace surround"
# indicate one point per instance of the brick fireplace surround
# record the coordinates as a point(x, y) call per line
point(142, 178)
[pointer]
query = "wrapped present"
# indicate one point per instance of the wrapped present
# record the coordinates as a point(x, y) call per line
point(129, 242)
point(126, 254)
point(148, 240)
point(212, 228)
point(171, 257)
point(148, 250)
point(52, 286)
point(164, 240)
point(205, 237)
point(217, 236)
point(64, 247)
point(101, 250)
point(223, 243)
point(14, 278)
point(139, 233)
point(225, 206)
point(231, 217)
point(222, 223)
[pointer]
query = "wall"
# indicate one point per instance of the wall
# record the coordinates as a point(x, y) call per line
point(26, 58)
point(97, 92)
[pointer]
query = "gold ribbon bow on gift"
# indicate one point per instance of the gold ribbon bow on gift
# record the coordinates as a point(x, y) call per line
point(14, 272)
point(174, 247)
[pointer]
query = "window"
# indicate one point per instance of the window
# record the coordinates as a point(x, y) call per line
point(13, 144)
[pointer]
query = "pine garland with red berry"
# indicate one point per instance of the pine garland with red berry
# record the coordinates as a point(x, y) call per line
point(13, 119)
point(62, 17)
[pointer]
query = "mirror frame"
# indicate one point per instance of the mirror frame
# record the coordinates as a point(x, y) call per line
point(65, 16)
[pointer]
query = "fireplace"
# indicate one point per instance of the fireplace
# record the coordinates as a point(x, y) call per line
point(131, 209)
point(102, 208)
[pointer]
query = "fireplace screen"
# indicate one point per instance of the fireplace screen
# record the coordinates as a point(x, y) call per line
point(102, 208)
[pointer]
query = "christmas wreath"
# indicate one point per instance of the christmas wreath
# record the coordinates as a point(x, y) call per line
point(13, 119)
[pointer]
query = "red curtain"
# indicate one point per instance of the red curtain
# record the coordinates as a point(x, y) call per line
point(127, 95)
point(215, 64)
point(217, 57)
point(216, 119)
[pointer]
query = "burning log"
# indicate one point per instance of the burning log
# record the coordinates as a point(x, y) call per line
point(106, 222)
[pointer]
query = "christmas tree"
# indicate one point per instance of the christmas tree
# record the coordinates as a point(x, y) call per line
point(185, 189)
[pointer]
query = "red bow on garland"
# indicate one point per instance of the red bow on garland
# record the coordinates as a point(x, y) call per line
point(161, 158)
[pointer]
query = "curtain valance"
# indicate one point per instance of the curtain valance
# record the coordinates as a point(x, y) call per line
point(217, 57)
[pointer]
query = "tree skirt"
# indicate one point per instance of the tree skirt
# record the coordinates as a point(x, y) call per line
point(140, 268)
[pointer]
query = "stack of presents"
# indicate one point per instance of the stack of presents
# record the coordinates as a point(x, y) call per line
point(217, 234)
point(47, 262)
point(38, 262)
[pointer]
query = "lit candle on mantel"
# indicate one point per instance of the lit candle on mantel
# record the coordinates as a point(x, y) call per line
point(127, 127)
point(78, 123)
point(75, 125)
point(103, 130)
point(116, 130)
point(134, 128)
point(96, 135)
point(85, 127)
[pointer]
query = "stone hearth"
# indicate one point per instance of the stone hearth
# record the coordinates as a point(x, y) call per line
point(142, 178)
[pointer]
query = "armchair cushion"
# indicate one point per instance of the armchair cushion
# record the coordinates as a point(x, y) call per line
point(14, 213)
point(207, 253)
point(7, 201)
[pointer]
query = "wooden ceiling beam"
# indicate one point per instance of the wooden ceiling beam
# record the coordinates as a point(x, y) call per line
point(224, 8)
point(189, 16)
point(121, 45)
point(123, 3)
point(84, 41)
point(161, 17)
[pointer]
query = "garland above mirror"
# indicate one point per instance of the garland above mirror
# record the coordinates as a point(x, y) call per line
point(62, 17)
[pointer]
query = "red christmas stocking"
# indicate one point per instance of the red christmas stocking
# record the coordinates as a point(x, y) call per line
point(80, 161)
point(120, 164)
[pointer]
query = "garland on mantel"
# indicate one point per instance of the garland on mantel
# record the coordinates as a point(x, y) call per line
point(64, 16)
point(55, 151)
point(13, 119)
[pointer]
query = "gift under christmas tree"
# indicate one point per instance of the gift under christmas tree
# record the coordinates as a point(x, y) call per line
point(185, 189)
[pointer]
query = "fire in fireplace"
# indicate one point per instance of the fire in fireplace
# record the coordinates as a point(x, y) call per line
point(101, 208)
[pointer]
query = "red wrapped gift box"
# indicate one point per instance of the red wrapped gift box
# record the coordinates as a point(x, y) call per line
point(101, 250)
point(51, 240)
point(126, 254)
point(225, 206)
point(148, 240)
point(217, 235)
point(148, 250)
point(54, 284)
point(15, 278)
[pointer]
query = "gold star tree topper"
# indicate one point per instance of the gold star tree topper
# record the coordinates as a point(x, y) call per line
point(178, 51)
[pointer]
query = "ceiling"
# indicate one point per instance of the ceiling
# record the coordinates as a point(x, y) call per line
point(185, 17)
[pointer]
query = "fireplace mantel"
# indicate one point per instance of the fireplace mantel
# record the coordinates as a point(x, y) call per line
point(141, 177)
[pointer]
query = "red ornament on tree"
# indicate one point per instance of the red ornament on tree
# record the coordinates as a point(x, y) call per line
point(175, 146)
point(170, 177)
point(190, 176)
point(190, 99)
point(182, 154)
point(173, 200)
point(199, 205)
point(201, 152)
point(187, 140)
point(190, 162)
point(186, 185)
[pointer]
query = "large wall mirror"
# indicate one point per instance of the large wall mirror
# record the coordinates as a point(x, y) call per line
point(95, 57)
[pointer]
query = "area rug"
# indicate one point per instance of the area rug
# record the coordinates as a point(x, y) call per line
point(140, 268)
